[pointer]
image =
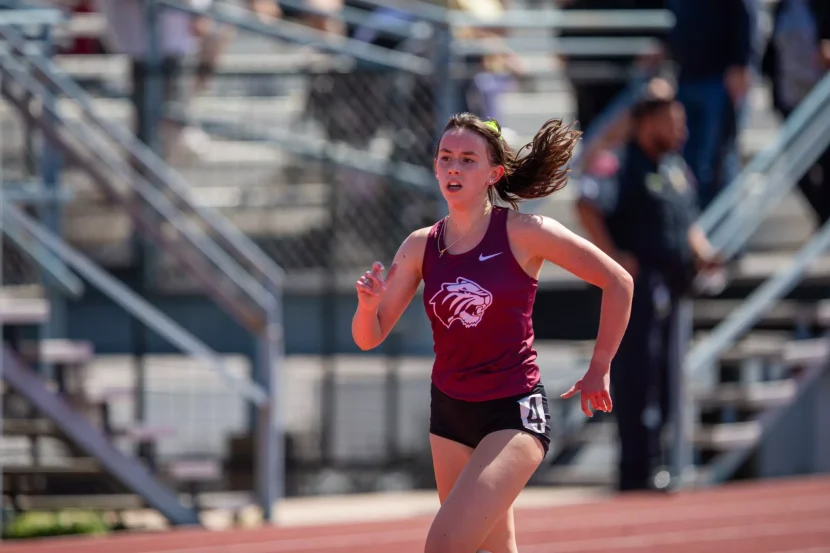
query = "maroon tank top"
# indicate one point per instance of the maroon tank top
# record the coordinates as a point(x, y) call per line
point(480, 305)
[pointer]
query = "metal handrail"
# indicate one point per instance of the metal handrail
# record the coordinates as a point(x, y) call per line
point(653, 20)
point(418, 8)
point(301, 34)
point(725, 465)
point(151, 164)
point(753, 308)
point(770, 188)
point(98, 171)
point(533, 19)
point(724, 335)
point(67, 281)
point(358, 17)
point(153, 196)
point(800, 143)
point(100, 159)
point(319, 149)
point(570, 47)
point(134, 304)
point(32, 16)
point(730, 196)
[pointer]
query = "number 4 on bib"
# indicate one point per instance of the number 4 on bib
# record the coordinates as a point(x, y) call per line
point(533, 413)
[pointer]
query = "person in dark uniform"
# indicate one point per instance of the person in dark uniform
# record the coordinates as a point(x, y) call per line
point(489, 419)
point(644, 219)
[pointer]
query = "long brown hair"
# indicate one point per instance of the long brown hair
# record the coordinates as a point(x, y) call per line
point(540, 172)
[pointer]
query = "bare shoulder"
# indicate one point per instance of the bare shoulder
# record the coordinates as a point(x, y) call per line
point(411, 251)
point(531, 226)
point(536, 236)
point(416, 242)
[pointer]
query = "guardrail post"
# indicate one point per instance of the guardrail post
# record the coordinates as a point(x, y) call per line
point(680, 403)
point(270, 432)
point(444, 85)
point(49, 213)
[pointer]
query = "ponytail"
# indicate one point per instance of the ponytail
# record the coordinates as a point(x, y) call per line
point(543, 169)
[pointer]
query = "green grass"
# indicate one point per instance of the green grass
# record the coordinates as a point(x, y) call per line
point(35, 524)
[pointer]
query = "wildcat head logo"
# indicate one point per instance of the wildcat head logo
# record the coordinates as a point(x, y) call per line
point(462, 300)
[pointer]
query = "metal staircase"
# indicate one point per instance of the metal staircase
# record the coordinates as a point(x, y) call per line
point(755, 349)
point(229, 270)
point(77, 428)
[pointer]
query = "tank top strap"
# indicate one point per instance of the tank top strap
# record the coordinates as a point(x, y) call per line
point(497, 236)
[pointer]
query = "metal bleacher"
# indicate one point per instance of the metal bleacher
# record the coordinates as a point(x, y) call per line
point(253, 184)
point(48, 402)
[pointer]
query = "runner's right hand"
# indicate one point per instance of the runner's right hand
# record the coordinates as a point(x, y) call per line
point(372, 285)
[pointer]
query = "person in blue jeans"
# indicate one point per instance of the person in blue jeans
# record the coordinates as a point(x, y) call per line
point(713, 45)
point(796, 58)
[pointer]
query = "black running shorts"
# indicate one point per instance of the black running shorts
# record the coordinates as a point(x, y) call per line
point(468, 422)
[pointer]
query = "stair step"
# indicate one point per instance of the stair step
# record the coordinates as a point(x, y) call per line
point(755, 396)
point(144, 433)
point(109, 394)
point(726, 436)
point(756, 267)
point(757, 345)
point(56, 351)
point(718, 437)
point(116, 66)
point(800, 352)
point(786, 313)
point(28, 427)
point(187, 470)
point(221, 188)
point(96, 502)
point(70, 466)
point(45, 427)
point(23, 311)
point(22, 291)
point(777, 349)
point(119, 502)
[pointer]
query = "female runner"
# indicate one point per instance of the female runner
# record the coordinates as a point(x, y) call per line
point(489, 418)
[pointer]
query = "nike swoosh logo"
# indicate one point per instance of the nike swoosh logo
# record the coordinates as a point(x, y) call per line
point(482, 257)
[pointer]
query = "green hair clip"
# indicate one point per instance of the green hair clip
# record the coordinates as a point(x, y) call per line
point(493, 125)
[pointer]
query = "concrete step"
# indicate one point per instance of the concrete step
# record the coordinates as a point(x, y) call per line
point(23, 311)
point(786, 314)
point(754, 268)
point(45, 427)
point(753, 397)
point(57, 352)
point(710, 437)
point(726, 436)
point(56, 468)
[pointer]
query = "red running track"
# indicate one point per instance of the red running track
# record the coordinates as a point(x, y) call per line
point(781, 516)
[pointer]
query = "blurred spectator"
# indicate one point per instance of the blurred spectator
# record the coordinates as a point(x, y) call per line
point(596, 79)
point(322, 22)
point(486, 76)
point(216, 36)
point(83, 44)
point(712, 44)
point(644, 218)
point(796, 59)
point(177, 38)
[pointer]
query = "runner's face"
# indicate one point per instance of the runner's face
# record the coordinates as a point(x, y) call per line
point(463, 167)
